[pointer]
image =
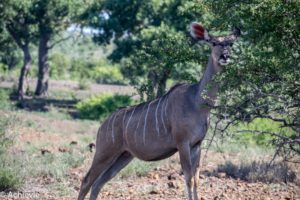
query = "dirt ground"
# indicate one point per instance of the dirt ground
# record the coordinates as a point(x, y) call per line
point(165, 182)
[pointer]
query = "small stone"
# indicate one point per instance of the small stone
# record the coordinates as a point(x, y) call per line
point(91, 146)
point(63, 150)
point(221, 175)
point(156, 176)
point(44, 151)
point(153, 192)
point(73, 143)
point(171, 184)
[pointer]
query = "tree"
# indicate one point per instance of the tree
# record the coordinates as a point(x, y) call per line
point(262, 82)
point(10, 56)
point(164, 54)
point(19, 23)
point(52, 17)
point(134, 26)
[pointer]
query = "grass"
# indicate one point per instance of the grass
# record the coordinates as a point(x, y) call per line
point(5, 103)
point(54, 165)
point(137, 168)
point(10, 178)
point(84, 84)
point(62, 94)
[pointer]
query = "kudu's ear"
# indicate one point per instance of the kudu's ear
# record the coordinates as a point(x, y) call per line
point(198, 32)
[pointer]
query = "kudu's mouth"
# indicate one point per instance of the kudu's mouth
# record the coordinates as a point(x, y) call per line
point(224, 59)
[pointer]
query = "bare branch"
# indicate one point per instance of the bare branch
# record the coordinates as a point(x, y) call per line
point(59, 41)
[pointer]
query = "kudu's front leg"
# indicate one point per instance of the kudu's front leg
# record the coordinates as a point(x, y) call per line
point(186, 164)
point(195, 156)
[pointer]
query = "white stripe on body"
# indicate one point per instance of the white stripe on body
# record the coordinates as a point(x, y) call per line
point(156, 120)
point(129, 120)
point(112, 127)
point(145, 122)
point(107, 128)
point(167, 101)
point(126, 133)
point(124, 118)
point(123, 122)
point(138, 125)
point(161, 115)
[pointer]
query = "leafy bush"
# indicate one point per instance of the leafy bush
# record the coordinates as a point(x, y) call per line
point(60, 63)
point(10, 179)
point(108, 74)
point(265, 126)
point(83, 84)
point(3, 68)
point(99, 107)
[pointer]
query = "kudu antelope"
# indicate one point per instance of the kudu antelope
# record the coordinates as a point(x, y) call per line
point(177, 121)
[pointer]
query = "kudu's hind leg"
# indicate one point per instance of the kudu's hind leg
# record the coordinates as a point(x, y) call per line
point(186, 164)
point(195, 156)
point(116, 167)
point(101, 163)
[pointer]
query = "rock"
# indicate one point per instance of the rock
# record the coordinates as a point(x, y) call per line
point(153, 192)
point(91, 146)
point(73, 143)
point(171, 184)
point(63, 149)
point(156, 176)
point(44, 151)
point(172, 176)
point(221, 175)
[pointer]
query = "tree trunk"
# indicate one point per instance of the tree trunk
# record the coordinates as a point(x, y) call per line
point(43, 65)
point(161, 87)
point(24, 71)
point(151, 85)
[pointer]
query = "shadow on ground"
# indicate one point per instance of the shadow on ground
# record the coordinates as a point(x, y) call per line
point(256, 172)
point(45, 104)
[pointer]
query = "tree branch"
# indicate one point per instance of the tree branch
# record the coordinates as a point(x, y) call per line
point(58, 41)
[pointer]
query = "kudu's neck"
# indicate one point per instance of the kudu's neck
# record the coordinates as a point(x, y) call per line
point(207, 87)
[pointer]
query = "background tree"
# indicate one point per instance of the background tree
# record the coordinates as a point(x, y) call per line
point(10, 55)
point(19, 23)
point(262, 82)
point(164, 54)
point(145, 35)
point(52, 18)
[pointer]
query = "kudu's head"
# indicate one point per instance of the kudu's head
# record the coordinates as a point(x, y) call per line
point(221, 46)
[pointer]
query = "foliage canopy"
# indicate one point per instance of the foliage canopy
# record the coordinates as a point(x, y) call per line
point(262, 82)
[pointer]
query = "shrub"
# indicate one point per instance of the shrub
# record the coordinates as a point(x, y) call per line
point(108, 74)
point(83, 84)
point(60, 63)
point(10, 179)
point(260, 125)
point(99, 107)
